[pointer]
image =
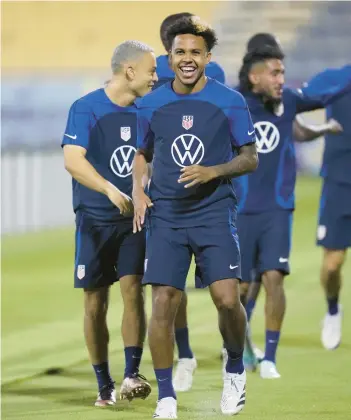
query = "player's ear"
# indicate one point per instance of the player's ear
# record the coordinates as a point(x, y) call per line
point(254, 78)
point(130, 73)
point(208, 57)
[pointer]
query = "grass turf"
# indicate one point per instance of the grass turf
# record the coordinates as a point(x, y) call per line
point(45, 369)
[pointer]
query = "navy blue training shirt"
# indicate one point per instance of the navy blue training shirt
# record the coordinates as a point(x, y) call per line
point(108, 132)
point(181, 130)
point(165, 73)
point(271, 187)
point(336, 164)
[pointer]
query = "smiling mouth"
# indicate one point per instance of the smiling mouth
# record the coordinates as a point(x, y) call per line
point(188, 71)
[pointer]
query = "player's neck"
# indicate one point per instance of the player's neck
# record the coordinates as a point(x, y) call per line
point(118, 93)
point(182, 89)
point(261, 95)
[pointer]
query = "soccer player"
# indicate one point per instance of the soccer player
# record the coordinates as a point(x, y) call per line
point(164, 71)
point(190, 127)
point(267, 196)
point(186, 365)
point(302, 132)
point(334, 225)
point(99, 144)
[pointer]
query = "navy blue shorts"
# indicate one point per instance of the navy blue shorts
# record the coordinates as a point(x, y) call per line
point(169, 252)
point(105, 253)
point(265, 243)
point(334, 224)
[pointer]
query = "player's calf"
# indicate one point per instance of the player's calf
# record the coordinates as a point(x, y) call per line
point(331, 282)
point(165, 302)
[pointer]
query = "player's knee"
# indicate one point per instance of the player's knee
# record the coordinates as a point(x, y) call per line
point(333, 260)
point(95, 304)
point(273, 282)
point(165, 301)
point(132, 290)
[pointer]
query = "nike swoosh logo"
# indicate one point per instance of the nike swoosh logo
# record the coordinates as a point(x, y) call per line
point(162, 380)
point(252, 132)
point(233, 266)
point(71, 137)
point(283, 260)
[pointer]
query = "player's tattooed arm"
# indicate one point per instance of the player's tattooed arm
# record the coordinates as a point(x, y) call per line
point(140, 199)
point(308, 132)
point(244, 163)
point(83, 172)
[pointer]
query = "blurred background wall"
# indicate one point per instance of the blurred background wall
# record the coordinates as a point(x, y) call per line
point(55, 52)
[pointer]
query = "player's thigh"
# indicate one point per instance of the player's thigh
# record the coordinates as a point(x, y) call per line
point(217, 252)
point(248, 236)
point(334, 224)
point(95, 254)
point(168, 257)
point(275, 242)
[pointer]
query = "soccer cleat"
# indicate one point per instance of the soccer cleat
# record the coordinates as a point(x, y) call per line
point(234, 393)
point(331, 331)
point(106, 396)
point(249, 357)
point(166, 409)
point(259, 354)
point(183, 377)
point(268, 370)
point(224, 361)
point(135, 386)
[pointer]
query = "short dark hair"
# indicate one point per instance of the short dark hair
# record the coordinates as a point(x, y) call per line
point(256, 56)
point(261, 39)
point(195, 26)
point(167, 22)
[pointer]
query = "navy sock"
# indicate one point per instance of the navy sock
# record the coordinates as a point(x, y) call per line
point(250, 306)
point(102, 373)
point(133, 359)
point(272, 340)
point(164, 382)
point(333, 305)
point(235, 362)
point(182, 340)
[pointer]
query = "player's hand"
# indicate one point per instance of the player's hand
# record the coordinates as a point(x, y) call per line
point(141, 203)
point(120, 200)
point(334, 127)
point(196, 174)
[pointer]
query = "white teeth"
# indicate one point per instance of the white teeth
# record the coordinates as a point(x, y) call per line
point(188, 69)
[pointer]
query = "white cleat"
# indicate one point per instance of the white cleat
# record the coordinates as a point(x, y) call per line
point(106, 396)
point(234, 393)
point(166, 409)
point(183, 377)
point(259, 354)
point(331, 331)
point(268, 370)
point(224, 362)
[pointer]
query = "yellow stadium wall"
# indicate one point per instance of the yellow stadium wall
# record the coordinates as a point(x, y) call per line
point(75, 35)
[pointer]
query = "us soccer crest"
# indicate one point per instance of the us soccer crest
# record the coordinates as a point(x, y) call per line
point(80, 271)
point(125, 133)
point(188, 121)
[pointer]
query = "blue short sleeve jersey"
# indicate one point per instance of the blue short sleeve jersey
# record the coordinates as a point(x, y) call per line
point(203, 128)
point(337, 152)
point(108, 132)
point(271, 187)
point(165, 73)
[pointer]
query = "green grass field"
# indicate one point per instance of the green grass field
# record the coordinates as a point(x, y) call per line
point(42, 329)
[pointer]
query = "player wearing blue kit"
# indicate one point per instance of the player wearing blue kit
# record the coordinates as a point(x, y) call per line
point(267, 196)
point(99, 145)
point(164, 71)
point(186, 365)
point(334, 224)
point(190, 127)
point(302, 132)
